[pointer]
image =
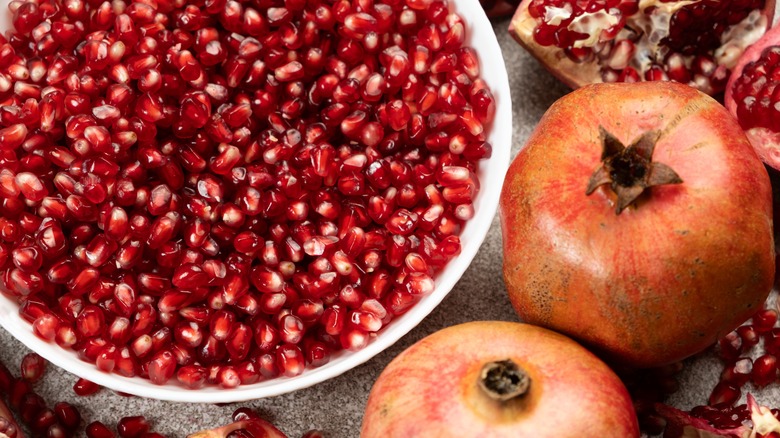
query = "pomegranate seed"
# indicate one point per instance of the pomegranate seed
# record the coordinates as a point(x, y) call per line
point(33, 367)
point(749, 336)
point(192, 376)
point(67, 415)
point(132, 427)
point(84, 388)
point(162, 367)
point(739, 373)
point(730, 346)
point(764, 370)
point(45, 327)
point(724, 394)
point(764, 320)
point(98, 430)
point(290, 360)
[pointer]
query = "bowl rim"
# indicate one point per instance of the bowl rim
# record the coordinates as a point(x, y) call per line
point(480, 36)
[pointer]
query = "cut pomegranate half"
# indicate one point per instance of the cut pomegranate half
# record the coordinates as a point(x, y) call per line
point(744, 421)
point(752, 98)
point(255, 427)
point(696, 42)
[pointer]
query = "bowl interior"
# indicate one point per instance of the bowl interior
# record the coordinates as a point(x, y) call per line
point(491, 173)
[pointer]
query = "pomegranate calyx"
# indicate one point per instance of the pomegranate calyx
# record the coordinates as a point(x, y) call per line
point(503, 380)
point(629, 170)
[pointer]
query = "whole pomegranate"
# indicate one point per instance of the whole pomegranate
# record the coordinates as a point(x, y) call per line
point(638, 220)
point(751, 96)
point(498, 379)
point(695, 42)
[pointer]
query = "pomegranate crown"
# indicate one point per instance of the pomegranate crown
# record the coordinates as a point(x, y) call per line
point(629, 170)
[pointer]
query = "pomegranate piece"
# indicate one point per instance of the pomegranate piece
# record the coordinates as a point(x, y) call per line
point(132, 427)
point(84, 387)
point(33, 367)
point(174, 204)
point(695, 42)
point(97, 429)
point(751, 97)
point(253, 427)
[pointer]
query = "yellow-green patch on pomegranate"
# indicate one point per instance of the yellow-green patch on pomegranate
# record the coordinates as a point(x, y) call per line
point(638, 220)
point(498, 379)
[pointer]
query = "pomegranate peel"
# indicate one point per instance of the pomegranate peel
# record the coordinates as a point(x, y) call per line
point(256, 427)
point(681, 424)
point(757, 119)
point(630, 41)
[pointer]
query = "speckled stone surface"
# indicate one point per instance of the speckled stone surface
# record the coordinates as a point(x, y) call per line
point(336, 406)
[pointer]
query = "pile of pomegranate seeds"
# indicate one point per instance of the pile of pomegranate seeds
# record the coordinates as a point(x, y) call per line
point(64, 420)
point(754, 95)
point(226, 191)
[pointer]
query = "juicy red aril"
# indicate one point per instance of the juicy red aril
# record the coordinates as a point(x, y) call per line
point(68, 416)
point(33, 366)
point(724, 394)
point(98, 430)
point(84, 387)
point(764, 370)
point(738, 373)
point(764, 320)
point(754, 92)
point(132, 427)
point(229, 196)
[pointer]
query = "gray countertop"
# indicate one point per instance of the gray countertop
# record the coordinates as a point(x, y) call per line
point(336, 406)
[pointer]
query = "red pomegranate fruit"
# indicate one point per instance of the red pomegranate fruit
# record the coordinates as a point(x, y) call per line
point(751, 97)
point(638, 220)
point(695, 42)
point(498, 379)
point(250, 427)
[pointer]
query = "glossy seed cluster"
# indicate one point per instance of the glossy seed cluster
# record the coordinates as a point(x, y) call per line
point(225, 191)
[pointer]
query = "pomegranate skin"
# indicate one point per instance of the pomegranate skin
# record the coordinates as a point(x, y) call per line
point(669, 275)
point(765, 141)
point(432, 389)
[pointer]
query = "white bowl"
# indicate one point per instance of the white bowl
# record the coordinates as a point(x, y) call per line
point(491, 173)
